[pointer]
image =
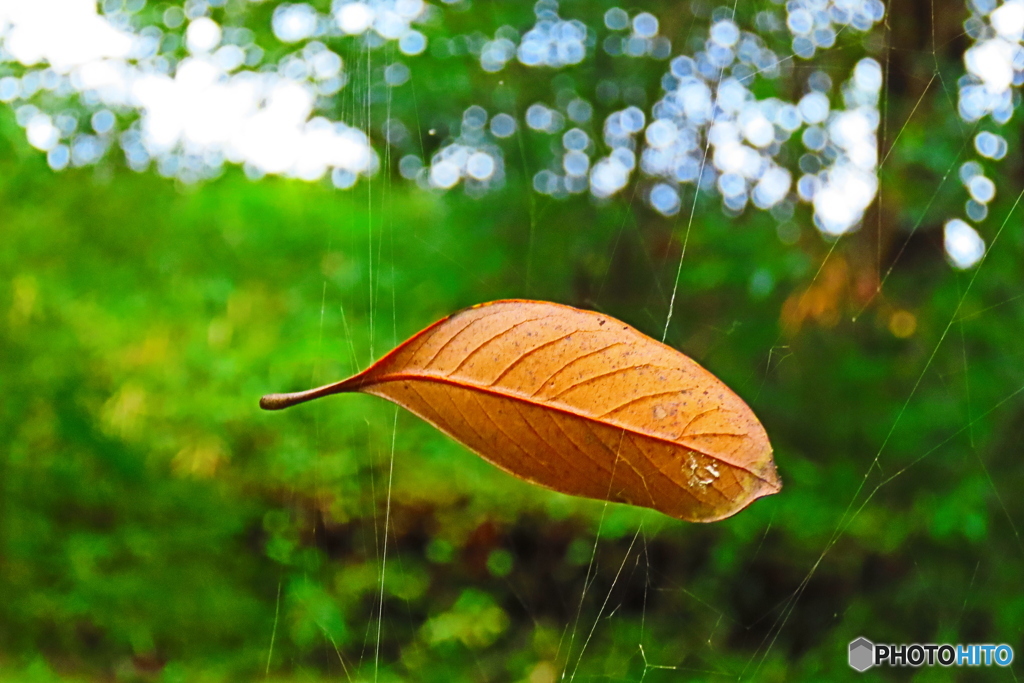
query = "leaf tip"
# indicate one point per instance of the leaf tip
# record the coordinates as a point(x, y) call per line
point(771, 481)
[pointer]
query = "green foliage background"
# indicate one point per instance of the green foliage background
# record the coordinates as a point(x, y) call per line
point(156, 526)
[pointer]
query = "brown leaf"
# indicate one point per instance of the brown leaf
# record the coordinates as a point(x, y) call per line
point(578, 402)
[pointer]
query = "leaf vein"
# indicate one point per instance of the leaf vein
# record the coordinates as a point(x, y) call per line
point(534, 350)
point(450, 340)
point(584, 382)
point(570, 363)
point(495, 337)
point(638, 399)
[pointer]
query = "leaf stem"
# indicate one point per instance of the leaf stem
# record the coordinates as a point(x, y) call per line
point(281, 401)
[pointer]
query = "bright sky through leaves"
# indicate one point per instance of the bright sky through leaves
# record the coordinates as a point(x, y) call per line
point(188, 96)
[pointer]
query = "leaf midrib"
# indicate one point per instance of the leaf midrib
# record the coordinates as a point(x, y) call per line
point(442, 379)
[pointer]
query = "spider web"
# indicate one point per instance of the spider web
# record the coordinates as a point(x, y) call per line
point(612, 575)
point(865, 492)
point(874, 471)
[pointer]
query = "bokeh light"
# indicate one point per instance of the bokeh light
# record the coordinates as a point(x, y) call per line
point(188, 95)
point(964, 245)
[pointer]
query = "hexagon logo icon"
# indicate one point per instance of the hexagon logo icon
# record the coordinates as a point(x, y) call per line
point(862, 654)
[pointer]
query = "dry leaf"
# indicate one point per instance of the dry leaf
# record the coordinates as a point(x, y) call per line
point(578, 402)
